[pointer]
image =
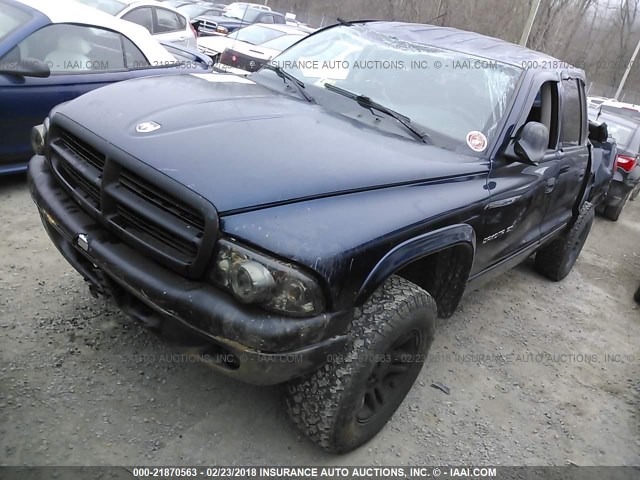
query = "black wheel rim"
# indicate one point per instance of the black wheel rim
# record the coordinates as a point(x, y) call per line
point(390, 375)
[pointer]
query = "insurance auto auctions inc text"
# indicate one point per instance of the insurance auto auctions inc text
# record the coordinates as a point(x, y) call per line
point(376, 472)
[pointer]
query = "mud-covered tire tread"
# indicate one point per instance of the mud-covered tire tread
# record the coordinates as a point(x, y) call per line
point(553, 260)
point(313, 400)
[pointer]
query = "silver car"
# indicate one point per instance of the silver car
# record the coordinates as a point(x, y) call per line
point(164, 22)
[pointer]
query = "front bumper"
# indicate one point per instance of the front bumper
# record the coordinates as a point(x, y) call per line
point(268, 348)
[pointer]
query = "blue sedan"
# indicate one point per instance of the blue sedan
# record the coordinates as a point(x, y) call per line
point(52, 52)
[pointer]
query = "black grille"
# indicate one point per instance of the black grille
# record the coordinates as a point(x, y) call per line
point(162, 200)
point(136, 208)
point(83, 151)
point(141, 228)
point(90, 193)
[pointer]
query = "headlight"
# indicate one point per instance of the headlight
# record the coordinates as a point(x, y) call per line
point(39, 137)
point(222, 30)
point(255, 278)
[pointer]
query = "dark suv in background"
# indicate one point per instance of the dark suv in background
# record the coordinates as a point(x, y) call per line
point(234, 18)
point(624, 127)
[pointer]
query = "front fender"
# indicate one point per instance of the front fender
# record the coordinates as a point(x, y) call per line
point(418, 248)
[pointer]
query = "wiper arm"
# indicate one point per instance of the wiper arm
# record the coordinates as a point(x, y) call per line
point(366, 102)
point(287, 76)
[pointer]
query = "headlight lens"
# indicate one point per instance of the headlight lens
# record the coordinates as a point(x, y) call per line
point(255, 278)
point(222, 30)
point(39, 137)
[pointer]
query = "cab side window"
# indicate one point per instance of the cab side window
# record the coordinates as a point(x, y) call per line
point(571, 134)
point(72, 49)
point(141, 16)
point(545, 110)
point(266, 18)
point(169, 21)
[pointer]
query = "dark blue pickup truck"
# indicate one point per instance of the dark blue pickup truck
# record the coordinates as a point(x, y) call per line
point(312, 221)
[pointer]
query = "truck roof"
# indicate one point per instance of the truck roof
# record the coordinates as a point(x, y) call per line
point(472, 43)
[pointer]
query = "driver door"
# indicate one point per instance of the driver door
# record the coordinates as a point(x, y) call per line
point(520, 192)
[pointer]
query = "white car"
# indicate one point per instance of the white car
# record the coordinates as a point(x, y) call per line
point(248, 48)
point(247, 4)
point(164, 22)
point(595, 102)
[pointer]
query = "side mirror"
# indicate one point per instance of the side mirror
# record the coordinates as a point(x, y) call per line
point(29, 67)
point(598, 132)
point(530, 144)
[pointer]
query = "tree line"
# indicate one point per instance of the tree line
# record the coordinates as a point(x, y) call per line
point(598, 36)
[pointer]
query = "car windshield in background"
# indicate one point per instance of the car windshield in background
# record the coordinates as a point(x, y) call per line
point(244, 13)
point(621, 111)
point(112, 7)
point(283, 42)
point(256, 34)
point(449, 94)
point(11, 19)
point(623, 131)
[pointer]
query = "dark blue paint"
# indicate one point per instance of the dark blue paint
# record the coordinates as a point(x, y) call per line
point(322, 187)
point(26, 101)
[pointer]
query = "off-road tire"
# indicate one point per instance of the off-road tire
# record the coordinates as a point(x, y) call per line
point(329, 404)
point(612, 212)
point(556, 259)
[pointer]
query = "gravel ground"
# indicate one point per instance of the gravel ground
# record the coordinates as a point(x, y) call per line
point(524, 358)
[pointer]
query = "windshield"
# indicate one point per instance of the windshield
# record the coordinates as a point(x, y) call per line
point(283, 42)
point(11, 19)
point(241, 12)
point(458, 99)
point(112, 7)
point(255, 34)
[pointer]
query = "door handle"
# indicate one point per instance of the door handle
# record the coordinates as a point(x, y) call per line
point(551, 184)
point(564, 169)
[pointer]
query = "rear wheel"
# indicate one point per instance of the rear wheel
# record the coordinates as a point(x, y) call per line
point(556, 259)
point(347, 402)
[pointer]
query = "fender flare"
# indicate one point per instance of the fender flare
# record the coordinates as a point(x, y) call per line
point(414, 249)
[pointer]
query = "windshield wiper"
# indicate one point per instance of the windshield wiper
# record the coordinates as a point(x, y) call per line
point(287, 76)
point(366, 102)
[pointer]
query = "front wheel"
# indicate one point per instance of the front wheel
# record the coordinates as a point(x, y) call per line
point(348, 400)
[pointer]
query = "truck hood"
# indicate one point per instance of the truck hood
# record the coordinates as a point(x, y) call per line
point(243, 146)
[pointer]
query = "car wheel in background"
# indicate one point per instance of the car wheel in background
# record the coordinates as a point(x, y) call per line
point(612, 212)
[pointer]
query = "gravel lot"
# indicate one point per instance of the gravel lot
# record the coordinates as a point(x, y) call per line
point(524, 359)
